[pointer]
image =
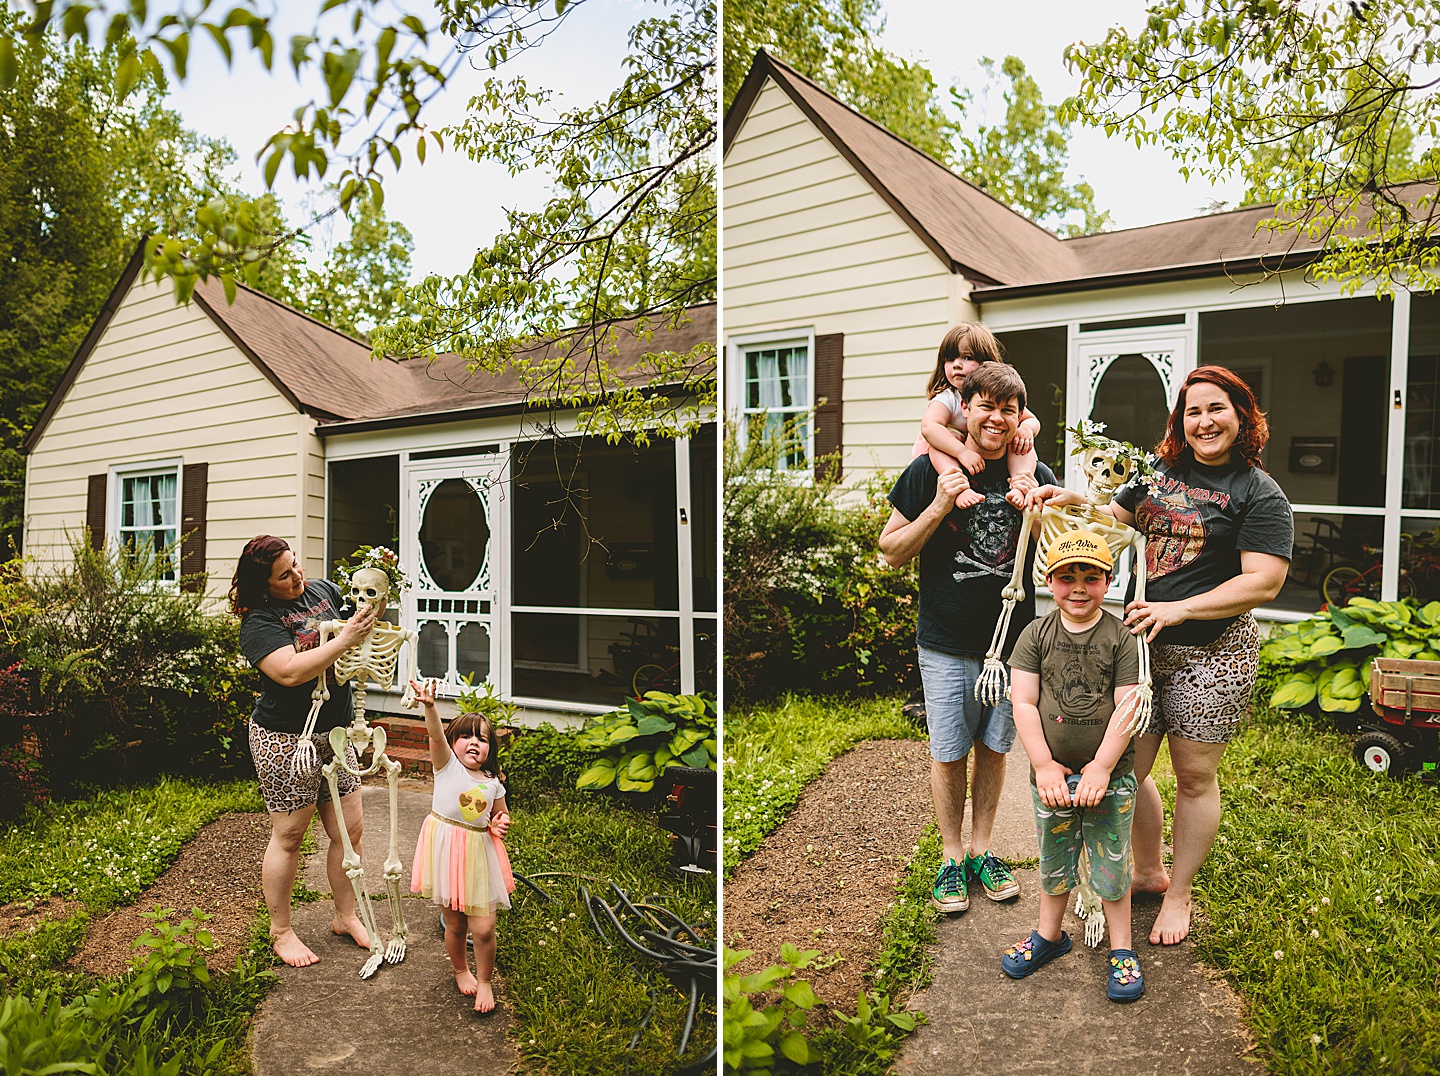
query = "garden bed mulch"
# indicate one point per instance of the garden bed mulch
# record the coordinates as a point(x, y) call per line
point(217, 871)
point(824, 878)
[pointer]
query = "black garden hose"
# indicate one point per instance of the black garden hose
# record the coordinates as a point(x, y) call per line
point(693, 969)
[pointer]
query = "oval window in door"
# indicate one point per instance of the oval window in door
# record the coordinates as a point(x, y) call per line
point(454, 535)
point(1130, 400)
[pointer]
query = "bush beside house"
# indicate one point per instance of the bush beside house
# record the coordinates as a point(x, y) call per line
point(809, 604)
point(108, 674)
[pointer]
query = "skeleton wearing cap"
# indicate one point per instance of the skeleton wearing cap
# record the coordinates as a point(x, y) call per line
point(1107, 465)
point(372, 660)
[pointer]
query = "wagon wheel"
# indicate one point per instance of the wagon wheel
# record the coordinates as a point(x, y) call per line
point(1380, 753)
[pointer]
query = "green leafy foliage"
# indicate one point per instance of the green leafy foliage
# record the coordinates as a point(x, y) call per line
point(1022, 159)
point(143, 1025)
point(625, 244)
point(125, 676)
point(648, 736)
point(764, 1038)
point(105, 848)
point(1324, 107)
point(809, 605)
point(543, 759)
point(1325, 660)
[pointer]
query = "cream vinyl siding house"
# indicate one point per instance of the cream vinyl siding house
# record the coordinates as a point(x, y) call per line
point(567, 572)
point(165, 388)
point(848, 244)
point(812, 251)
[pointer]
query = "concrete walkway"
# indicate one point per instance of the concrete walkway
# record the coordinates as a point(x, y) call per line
point(409, 1017)
point(1059, 1019)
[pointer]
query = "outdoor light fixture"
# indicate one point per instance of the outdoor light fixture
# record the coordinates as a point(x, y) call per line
point(1324, 374)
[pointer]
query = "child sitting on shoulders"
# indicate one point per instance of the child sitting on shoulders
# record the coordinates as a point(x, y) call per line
point(942, 429)
point(457, 861)
point(1069, 674)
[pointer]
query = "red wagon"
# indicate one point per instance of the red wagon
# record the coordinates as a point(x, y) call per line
point(1405, 695)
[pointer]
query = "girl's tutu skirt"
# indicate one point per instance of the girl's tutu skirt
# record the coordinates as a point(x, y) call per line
point(459, 867)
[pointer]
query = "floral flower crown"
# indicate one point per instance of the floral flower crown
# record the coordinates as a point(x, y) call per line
point(371, 556)
point(1088, 436)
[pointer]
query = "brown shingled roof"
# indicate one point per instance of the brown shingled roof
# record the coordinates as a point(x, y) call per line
point(333, 376)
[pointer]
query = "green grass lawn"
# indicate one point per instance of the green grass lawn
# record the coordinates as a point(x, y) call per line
point(578, 1000)
point(1321, 899)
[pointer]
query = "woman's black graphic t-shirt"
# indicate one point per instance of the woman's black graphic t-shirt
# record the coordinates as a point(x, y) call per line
point(1197, 520)
point(275, 625)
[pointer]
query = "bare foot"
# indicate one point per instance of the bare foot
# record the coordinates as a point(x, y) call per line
point(352, 927)
point(465, 980)
point(1016, 498)
point(484, 997)
point(1151, 883)
point(292, 950)
point(968, 498)
point(1172, 925)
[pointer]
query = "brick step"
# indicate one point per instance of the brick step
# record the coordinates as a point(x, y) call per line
point(412, 760)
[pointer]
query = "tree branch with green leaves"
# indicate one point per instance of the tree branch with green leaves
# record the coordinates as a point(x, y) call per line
point(1328, 109)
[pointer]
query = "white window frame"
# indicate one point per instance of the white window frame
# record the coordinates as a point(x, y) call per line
point(737, 347)
point(118, 473)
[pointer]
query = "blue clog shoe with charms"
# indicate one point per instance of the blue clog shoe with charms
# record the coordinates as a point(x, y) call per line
point(1125, 981)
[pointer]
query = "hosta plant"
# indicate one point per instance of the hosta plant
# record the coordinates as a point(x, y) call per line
point(1326, 659)
point(647, 737)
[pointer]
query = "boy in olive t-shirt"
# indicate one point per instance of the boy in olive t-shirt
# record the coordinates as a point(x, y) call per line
point(1069, 673)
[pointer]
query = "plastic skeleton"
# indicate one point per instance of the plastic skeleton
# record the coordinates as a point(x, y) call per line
point(1107, 465)
point(373, 659)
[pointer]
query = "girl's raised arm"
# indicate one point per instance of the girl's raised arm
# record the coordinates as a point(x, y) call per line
point(440, 753)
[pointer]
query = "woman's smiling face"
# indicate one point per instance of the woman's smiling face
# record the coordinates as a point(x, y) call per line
point(1211, 423)
point(287, 578)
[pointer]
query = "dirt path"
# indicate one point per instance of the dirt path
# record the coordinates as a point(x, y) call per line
point(824, 878)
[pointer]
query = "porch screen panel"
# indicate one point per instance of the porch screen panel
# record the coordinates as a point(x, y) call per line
point(704, 559)
point(1421, 483)
point(613, 655)
point(595, 526)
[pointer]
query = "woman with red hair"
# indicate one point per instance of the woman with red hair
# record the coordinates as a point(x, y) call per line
point(1218, 536)
point(280, 615)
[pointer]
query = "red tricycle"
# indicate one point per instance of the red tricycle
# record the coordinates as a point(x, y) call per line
point(1406, 696)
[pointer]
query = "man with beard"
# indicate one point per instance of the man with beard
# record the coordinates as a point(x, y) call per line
point(967, 556)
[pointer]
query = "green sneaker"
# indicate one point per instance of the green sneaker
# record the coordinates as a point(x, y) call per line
point(993, 875)
point(950, 894)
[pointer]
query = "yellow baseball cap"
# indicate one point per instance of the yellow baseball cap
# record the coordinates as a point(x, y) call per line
point(1078, 547)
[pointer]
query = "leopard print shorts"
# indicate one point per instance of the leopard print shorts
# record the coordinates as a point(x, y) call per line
point(279, 787)
point(1204, 692)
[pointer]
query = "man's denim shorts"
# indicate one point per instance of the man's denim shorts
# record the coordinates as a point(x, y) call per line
point(956, 717)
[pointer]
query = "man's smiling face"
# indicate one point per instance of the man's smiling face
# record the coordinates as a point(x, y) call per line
point(991, 424)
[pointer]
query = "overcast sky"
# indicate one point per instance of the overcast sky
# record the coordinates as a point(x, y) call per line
point(451, 204)
point(1138, 187)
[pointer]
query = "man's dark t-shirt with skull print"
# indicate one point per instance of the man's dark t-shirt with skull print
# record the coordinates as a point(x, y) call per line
point(968, 560)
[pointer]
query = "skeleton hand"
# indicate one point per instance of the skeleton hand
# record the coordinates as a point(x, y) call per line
point(358, 626)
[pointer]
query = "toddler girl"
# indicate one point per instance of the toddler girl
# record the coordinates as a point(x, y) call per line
point(942, 429)
point(457, 861)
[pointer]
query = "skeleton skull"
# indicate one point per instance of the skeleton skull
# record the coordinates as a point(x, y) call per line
point(369, 586)
point(1106, 470)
